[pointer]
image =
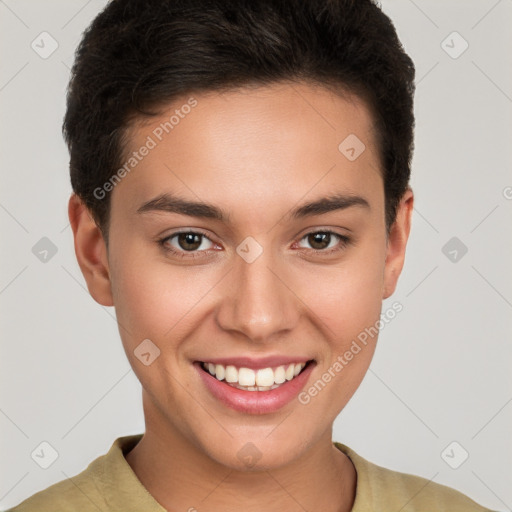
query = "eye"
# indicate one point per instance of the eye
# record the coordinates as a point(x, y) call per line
point(193, 244)
point(186, 243)
point(326, 241)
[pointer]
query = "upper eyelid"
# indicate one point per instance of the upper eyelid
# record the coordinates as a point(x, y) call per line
point(343, 239)
point(197, 231)
point(185, 232)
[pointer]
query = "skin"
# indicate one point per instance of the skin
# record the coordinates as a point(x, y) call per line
point(256, 153)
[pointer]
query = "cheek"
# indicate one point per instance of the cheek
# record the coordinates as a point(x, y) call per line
point(154, 303)
point(348, 300)
point(152, 299)
point(348, 297)
point(157, 300)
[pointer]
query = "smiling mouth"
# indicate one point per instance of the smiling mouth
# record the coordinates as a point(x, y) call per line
point(247, 379)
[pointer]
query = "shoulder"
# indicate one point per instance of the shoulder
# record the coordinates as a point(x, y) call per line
point(74, 494)
point(106, 482)
point(379, 488)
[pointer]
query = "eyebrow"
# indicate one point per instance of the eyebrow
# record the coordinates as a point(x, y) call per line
point(174, 204)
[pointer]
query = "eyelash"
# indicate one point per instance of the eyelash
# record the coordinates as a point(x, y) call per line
point(344, 241)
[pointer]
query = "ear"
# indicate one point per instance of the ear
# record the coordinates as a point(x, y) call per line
point(397, 242)
point(91, 251)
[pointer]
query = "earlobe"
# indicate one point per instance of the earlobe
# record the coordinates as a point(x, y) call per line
point(91, 251)
point(397, 243)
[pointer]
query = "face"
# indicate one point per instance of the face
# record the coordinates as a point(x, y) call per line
point(287, 264)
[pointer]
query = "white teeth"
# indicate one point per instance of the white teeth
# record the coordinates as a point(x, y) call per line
point(231, 374)
point(248, 379)
point(279, 375)
point(220, 371)
point(265, 377)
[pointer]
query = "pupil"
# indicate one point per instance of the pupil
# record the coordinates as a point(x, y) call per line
point(188, 239)
point(320, 239)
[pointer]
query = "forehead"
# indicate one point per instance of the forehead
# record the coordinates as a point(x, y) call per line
point(272, 142)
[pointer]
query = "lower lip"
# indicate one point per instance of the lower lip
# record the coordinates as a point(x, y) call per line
point(255, 402)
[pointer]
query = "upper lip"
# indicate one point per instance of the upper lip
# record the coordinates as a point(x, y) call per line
point(257, 363)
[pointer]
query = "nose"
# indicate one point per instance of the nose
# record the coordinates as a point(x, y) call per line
point(258, 301)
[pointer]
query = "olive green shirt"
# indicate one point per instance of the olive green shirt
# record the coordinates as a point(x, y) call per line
point(108, 484)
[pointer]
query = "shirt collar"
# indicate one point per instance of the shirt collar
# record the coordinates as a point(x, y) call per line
point(124, 491)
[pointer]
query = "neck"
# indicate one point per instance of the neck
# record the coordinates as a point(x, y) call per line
point(182, 477)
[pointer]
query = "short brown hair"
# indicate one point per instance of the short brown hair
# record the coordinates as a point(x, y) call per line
point(139, 55)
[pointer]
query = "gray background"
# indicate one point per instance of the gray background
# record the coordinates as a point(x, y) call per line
point(441, 372)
